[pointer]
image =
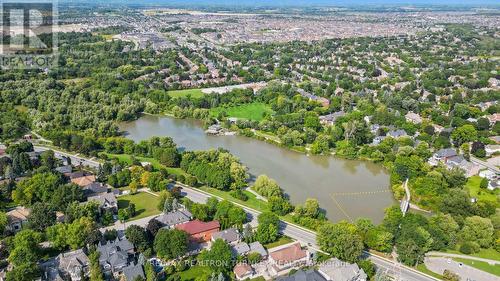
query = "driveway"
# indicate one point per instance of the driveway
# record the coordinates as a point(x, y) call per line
point(466, 273)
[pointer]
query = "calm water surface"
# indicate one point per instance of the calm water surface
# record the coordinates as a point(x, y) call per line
point(345, 189)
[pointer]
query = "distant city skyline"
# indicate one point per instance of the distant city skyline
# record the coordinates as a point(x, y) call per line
point(282, 3)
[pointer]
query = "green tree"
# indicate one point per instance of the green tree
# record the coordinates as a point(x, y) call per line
point(379, 239)
point(26, 249)
point(95, 268)
point(267, 187)
point(463, 134)
point(218, 258)
point(479, 230)
point(267, 231)
point(392, 219)
point(170, 244)
point(41, 216)
point(340, 240)
point(137, 236)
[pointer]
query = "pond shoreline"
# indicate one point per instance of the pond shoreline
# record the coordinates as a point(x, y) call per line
point(329, 178)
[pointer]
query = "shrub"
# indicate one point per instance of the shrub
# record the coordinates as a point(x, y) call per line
point(484, 183)
point(469, 248)
point(238, 194)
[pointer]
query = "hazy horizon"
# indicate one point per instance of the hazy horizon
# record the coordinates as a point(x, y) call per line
point(281, 3)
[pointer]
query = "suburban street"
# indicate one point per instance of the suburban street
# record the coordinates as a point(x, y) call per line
point(484, 164)
point(76, 160)
point(306, 237)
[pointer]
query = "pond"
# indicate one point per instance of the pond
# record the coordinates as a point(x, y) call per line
point(345, 189)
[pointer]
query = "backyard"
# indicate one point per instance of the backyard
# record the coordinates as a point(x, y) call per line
point(475, 191)
point(145, 204)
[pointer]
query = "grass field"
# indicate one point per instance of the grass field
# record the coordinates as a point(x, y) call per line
point(125, 158)
point(145, 204)
point(194, 93)
point(484, 266)
point(252, 201)
point(251, 111)
point(490, 254)
point(475, 191)
point(283, 240)
point(194, 273)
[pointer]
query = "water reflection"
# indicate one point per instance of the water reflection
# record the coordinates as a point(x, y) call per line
point(301, 176)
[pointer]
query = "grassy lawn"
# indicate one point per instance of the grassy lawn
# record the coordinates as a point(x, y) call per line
point(422, 268)
point(194, 93)
point(484, 266)
point(251, 111)
point(281, 241)
point(475, 191)
point(252, 201)
point(125, 158)
point(490, 254)
point(145, 204)
point(194, 273)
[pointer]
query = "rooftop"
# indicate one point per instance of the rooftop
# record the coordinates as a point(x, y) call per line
point(197, 226)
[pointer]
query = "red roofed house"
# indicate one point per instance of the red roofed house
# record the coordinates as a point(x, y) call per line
point(83, 180)
point(288, 257)
point(199, 231)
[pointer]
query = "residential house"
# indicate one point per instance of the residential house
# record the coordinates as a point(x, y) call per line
point(17, 218)
point(301, 275)
point(107, 201)
point(243, 271)
point(287, 257)
point(134, 272)
point(199, 231)
point(115, 255)
point(83, 180)
point(74, 265)
point(397, 134)
point(65, 170)
point(493, 118)
point(230, 236)
point(337, 270)
point(256, 247)
point(491, 149)
point(171, 219)
point(95, 188)
point(329, 119)
point(240, 249)
point(377, 140)
point(494, 184)
point(459, 161)
point(488, 174)
point(442, 155)
point(324, 101)
point(413, 118)
point(485, 105)
point(496, 139)
point(437, 128)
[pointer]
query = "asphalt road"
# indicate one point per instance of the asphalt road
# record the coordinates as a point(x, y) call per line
point(75, 159)
point(398, 271)
point(484, 164)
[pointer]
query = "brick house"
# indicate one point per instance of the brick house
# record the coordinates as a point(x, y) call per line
point(199, 231)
